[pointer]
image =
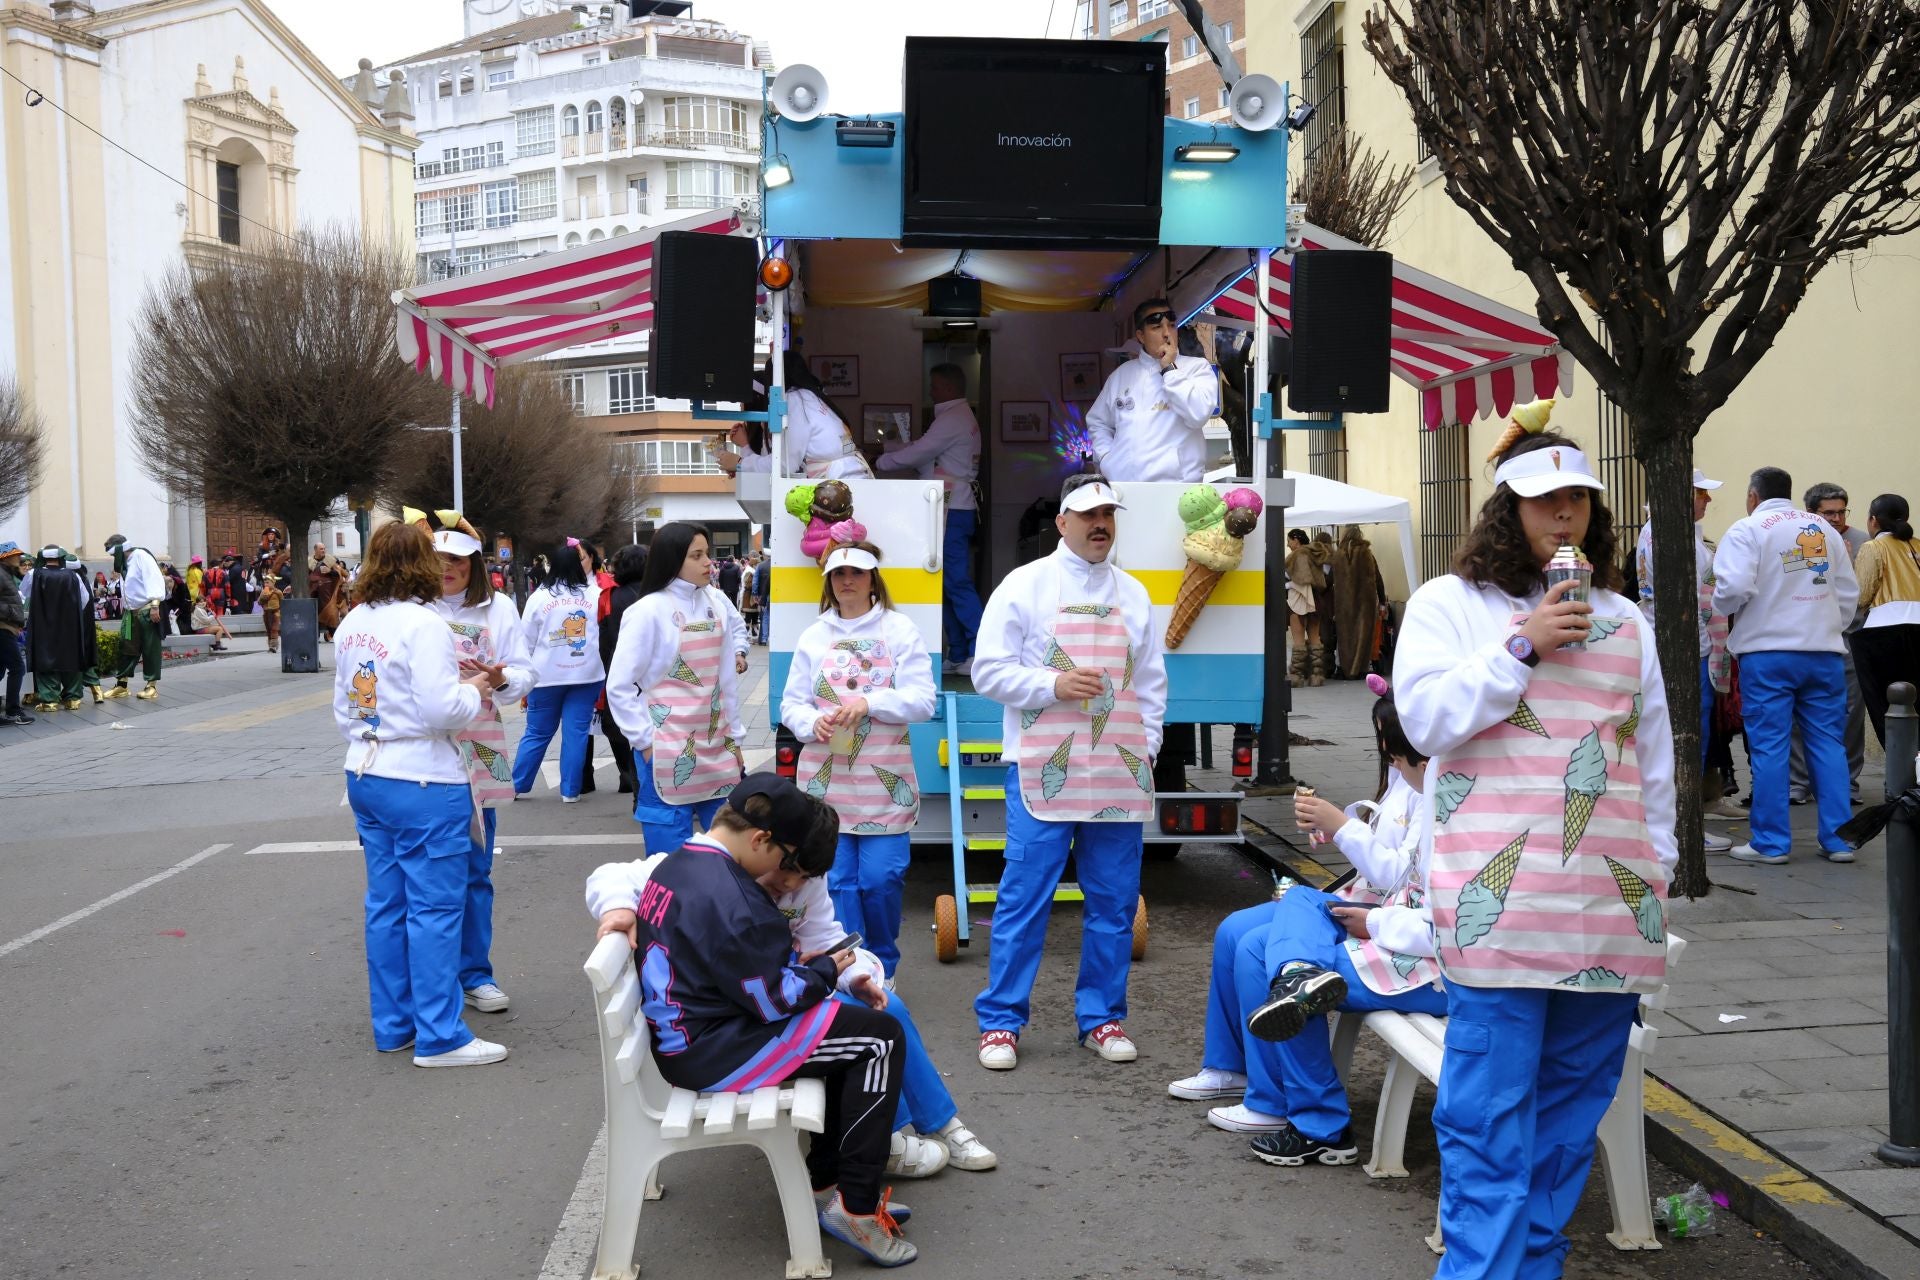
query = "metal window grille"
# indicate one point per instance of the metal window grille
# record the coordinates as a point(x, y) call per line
point(1423, 80)
point(1324, 81)
point(1446, 497)
point(1621, 472)
point(1327, 454)
point(227, 192)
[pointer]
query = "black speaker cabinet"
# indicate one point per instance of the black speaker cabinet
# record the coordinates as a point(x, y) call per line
point(300, 635)
point(703, 311)
point(953, 296)
point(1342, 331)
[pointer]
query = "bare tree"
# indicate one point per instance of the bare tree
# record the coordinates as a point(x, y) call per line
point(22, 447)
point(1350, 191)
point(530, 468)
point(1684, 168)
point(270, 377)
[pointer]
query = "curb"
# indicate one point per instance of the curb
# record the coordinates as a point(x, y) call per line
point(1821, 1227)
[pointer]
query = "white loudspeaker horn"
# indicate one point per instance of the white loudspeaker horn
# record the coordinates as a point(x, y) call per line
point(1257, 103)
point(800, 92)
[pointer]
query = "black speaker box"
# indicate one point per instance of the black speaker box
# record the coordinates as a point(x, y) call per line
point(1342, 331)
point(300, 635)
point(953, 296)
point(703, 312)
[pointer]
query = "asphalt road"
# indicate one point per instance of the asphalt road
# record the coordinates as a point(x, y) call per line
point(188, 1086)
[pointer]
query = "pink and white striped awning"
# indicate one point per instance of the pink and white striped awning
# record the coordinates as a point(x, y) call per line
point(460, 331)
point(1469, 356)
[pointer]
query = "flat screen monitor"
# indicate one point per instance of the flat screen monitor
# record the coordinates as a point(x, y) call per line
point(1033, 142)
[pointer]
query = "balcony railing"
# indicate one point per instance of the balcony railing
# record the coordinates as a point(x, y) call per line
point(747, 204)
point(605, 204)
point(665, 137)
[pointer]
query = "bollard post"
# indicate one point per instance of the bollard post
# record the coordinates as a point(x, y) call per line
point(1902, 1146)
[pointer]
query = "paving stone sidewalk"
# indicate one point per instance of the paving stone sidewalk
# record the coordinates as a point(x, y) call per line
point(1794, 956)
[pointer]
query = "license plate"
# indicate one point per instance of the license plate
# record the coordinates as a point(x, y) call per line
point(980, 757)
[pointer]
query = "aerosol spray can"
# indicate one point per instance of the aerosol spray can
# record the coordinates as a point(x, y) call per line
point(1570, 564)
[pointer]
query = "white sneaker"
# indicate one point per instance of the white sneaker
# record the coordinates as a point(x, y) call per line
point(964, 1151)
point(997, 1051)
point(912, 1156)
point(474, 1053)
point(487, 998)
point(569, 799)
point(1747, 853)
point(1716, 844)
point(1239, 1118)
point(1209, 1083)
point(1111, 1042)
point(399, 1048)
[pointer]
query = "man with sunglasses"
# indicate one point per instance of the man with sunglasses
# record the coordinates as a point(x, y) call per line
point(1149, 420)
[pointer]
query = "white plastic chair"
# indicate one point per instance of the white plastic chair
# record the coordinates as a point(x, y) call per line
point(649, 1120)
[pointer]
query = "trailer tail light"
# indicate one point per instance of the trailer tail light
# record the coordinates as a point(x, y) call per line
point(1209, 817)
point(786, 756)
point(1243, 755)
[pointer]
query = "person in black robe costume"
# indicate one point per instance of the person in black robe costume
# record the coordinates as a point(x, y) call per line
point(59, 632)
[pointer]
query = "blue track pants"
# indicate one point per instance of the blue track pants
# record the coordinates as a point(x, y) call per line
point(567, 708)
point(868, 881)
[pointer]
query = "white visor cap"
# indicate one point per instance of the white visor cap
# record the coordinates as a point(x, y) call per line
point(1700, 480)
point(1090, 496)
point(850, 558)
point(1542, 471)
point(455, 543)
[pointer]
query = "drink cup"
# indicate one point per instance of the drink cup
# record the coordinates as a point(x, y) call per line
point(842, 740)
point(1569, 565)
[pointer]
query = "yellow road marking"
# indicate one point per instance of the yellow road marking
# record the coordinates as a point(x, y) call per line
point(1783, 1181)
point(253, 717)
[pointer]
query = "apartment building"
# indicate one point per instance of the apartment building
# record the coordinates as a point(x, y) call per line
point(550, 126)
point(1194, 87)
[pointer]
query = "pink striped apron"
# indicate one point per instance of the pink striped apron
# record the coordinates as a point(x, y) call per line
point(694, 757)
point(867, 776)
point(1086, 761)
point(1385, 972)
point(1542, 874)
point(483, 743)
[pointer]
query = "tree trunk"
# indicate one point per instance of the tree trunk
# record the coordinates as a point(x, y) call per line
point(298, 553)
point(1664, 443)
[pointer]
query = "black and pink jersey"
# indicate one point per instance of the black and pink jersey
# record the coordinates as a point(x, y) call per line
point(728, 1006)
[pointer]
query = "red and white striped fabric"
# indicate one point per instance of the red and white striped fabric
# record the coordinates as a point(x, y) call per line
point(460, 331)
point(1469, 356)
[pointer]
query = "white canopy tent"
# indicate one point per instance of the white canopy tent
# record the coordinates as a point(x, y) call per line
point(1318, 500)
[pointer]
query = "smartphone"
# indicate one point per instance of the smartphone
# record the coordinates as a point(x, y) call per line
point(847, 943)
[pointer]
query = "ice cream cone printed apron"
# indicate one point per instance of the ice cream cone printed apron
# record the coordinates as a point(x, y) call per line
point(694, 757)
point(1542, 874)
point(865, 773)
point(1388, 973)
point(1086, 761)
point(483, 743)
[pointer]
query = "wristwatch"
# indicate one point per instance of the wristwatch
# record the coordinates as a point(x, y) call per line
point(1522, 648)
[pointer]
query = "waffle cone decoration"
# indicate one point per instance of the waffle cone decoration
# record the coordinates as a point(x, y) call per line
point(1526, 420)
point(1217, 529)
point(1648, 915)
point(1483, 899)
point(1524, 717)
point(1586, 783)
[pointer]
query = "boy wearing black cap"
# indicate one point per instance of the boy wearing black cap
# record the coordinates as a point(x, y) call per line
point(732, 1010)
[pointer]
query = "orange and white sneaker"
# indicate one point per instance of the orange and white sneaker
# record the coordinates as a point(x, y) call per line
point(997, 1050)
point(1110, 1041)
point(876, 1234)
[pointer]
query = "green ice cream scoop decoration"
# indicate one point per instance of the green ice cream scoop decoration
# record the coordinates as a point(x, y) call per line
point(1201, 507)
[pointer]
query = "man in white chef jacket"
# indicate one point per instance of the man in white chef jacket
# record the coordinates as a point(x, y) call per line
point(1149, 420)
point(949, 451)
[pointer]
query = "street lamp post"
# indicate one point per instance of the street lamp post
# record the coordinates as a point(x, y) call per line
point(453, 250)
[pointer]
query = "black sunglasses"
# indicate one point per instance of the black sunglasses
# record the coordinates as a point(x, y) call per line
point(1147, 322)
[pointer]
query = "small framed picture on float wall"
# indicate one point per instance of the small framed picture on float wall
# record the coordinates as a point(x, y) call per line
point(839, 375)
point(1025, 421)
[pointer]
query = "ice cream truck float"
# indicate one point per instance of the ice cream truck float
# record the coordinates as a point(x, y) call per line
point(942, 236)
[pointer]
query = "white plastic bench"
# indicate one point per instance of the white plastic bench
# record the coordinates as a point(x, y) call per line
point(649, 1120)
point(1418, 1043)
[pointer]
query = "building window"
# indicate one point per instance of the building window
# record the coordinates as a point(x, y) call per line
point(1116, 15)
point(1446, 497)
point(498, 76)
point(533, 131)
point(590, 60)
point(1226, 32)
point(445, 211)
point(1190, 47)
point(1226, 97)
point(706, 184)
point(627, 390)
point(538, 196)
point(1192, 109)
point(575, 386)
point(1327, 454)
point(501, 203)
point(1151, 9)
point(704, 122)
point(665, 458)
point(596, 122)
point(226, 179)
point(569, 122)
point(1324, 81)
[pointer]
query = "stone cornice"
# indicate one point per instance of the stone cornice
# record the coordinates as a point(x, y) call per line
point(241, 107)
point(42, 25)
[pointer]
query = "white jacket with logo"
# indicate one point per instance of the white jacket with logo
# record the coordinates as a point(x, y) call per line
point(397, 695)
point(561, 627)
point(1148, 423)
point(1785, 581)
point(911, 698)
point(650, 641)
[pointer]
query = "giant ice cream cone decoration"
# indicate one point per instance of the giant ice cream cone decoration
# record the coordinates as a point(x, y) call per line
point(1217, 529)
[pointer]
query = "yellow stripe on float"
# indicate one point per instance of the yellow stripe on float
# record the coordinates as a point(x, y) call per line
point(1242, 586)
point(793, 584)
